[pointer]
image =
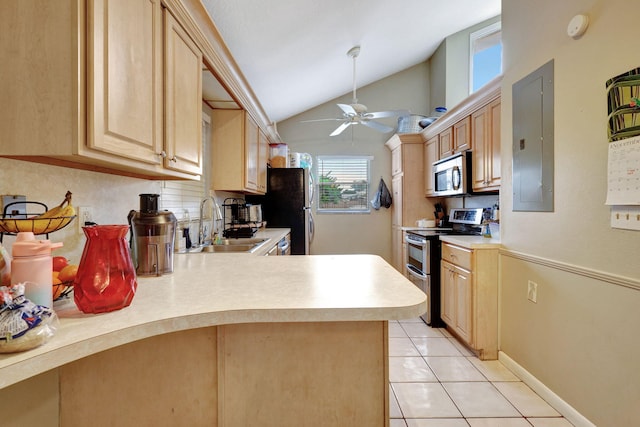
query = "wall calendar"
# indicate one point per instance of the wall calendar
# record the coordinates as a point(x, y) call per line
point(623, 172)
point(623, 167)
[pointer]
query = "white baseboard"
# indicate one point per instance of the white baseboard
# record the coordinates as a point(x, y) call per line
point(567, 411)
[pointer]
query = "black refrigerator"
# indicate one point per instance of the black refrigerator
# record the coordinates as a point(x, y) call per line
point(287, 204)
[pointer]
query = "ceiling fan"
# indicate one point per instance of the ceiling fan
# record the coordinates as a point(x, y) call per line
point(355, 113)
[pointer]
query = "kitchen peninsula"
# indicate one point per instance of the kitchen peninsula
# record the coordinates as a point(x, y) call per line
point(226, 340)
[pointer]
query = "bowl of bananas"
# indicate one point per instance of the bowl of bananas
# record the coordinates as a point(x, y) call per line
point(47, 222)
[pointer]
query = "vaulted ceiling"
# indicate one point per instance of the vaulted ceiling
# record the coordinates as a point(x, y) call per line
point(293, 53)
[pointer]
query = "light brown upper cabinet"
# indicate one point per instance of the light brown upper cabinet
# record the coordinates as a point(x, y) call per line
point(474, 125)
point(263, 160)
point(462, 136)
point(456, 138)
point(237, 161)
point(446, 143)
point(183, 99)
point(84, 86)
point(486, 154)
point(431, 155)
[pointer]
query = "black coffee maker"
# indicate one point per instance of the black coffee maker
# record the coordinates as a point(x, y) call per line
point(152, 237)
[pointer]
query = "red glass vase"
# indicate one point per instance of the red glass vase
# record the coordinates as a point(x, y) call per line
point(106, 279)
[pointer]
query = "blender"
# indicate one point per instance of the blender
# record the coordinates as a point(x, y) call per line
point(152, 237)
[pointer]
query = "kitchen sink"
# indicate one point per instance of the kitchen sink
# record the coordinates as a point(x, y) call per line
point(235, 245)
point(243, 244)
point(229, 248)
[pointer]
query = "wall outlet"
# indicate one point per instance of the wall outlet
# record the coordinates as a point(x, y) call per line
point(532, 291)
point(84, 215)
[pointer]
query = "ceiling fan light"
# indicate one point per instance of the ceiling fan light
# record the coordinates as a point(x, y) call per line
point(356, 113)
point(360, 108)
point(354, 51)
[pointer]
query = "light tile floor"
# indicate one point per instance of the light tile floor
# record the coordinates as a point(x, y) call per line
point(437, 382)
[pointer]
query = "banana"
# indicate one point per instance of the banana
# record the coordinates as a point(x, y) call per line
point(59, 210)
point(48, 222)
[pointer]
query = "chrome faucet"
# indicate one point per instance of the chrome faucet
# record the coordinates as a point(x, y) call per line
point(217, 217)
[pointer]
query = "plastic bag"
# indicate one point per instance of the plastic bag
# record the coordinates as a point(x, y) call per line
point(375, 202)
point(23, 324)
point(382, 196)
point(385, 195)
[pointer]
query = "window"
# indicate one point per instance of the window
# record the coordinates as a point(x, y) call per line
point(343, 184)
point(485, 62)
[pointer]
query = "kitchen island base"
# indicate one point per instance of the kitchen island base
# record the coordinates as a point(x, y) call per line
point(251, 374)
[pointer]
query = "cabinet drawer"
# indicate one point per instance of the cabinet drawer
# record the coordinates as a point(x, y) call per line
point(457, 255)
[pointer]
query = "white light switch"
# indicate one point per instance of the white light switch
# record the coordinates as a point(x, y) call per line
point(625, 217)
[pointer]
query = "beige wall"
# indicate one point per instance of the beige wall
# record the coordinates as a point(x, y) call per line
point(580, 339)
point(358, 233)
point(449, 67)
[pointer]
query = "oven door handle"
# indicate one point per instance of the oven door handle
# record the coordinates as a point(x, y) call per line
point(415, 272)
point(411, 241)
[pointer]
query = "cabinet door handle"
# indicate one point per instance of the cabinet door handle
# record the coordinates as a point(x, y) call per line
point(162, 154)
point(174, 159)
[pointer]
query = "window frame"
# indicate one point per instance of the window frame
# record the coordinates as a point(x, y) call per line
point(474, 37)
point(335, 210)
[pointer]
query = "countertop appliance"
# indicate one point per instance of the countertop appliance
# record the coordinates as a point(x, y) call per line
point(237, 218)
point(452, 175)
point(288, 204)
point(424, 251)
point(152, 237)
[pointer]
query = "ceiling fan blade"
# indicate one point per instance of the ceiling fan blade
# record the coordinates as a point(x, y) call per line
point(340, 128)
point(390, 113)
point(348, 109)
point(377, 126)
point(321, 120)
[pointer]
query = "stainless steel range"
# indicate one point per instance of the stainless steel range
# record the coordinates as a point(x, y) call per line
point(423, 253)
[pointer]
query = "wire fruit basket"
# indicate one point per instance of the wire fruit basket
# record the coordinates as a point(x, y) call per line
point(15, 219)
point(35, 225)
point(62, 290)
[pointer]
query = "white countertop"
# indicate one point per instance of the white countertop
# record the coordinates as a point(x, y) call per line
point(208, 289)
point(406, 228)
point(472, 242)
point(273, 234)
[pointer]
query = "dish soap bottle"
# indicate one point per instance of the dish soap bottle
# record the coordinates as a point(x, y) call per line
point(486, 230)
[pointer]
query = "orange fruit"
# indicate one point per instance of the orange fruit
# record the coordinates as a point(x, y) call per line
point(59, 262)
point(68, 273)
point(54, 275)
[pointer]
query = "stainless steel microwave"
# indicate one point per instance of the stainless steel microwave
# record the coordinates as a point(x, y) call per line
point(452, 175)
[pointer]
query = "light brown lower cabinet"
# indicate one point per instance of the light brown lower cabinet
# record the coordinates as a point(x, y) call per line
point(469, 297)
point(294, 374)
point(456, 293)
